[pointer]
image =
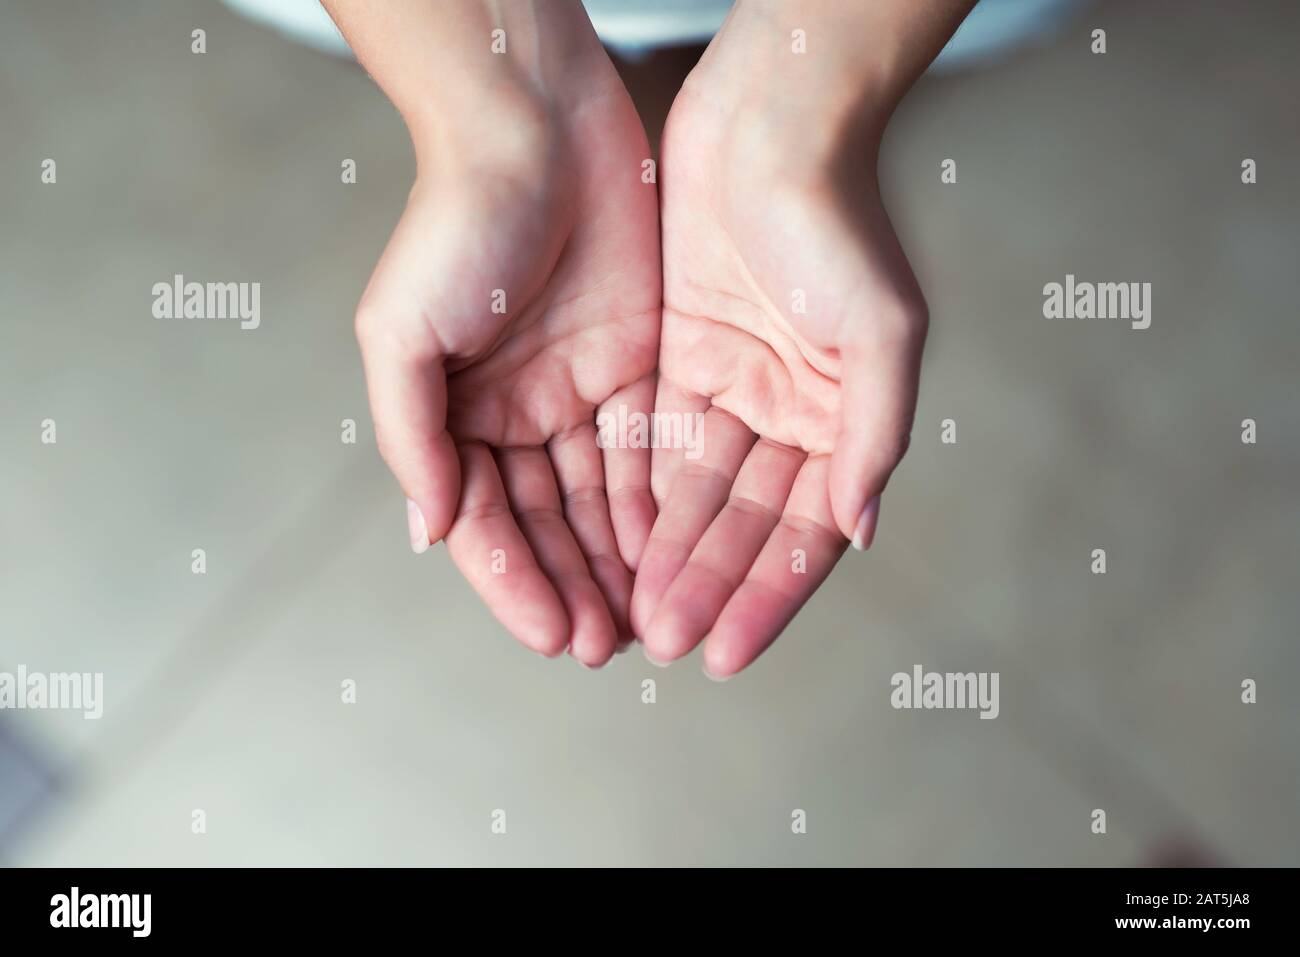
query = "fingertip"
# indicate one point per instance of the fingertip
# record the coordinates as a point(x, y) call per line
point(594, 635)
point(652, 659)
point(865, 530)
point(442, 488)
point(431, 506)
point(720, 663)
point(416, 528)
point(545, 629)
point(850, 492)
point(660, 565)
point(666, 636)
point(747, 627)
point(594, 645)
point(549, 643)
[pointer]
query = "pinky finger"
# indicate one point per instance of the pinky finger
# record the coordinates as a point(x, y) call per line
point(797, 557)
point(489, 548)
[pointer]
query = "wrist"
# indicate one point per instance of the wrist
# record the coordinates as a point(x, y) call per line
point(801, 111)
point(820, 79)
point(504, 127)
point(482, 78)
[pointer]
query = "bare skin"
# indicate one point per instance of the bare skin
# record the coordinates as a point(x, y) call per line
point(519, 296)
point(791, 320)
point(522, 295)
point(810, 299)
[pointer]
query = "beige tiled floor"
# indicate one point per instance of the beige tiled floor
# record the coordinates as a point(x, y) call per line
point(1120, 692)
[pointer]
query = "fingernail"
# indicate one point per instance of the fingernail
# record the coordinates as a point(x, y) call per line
point(419, 530)
point(654, 661)
point(866, 530)
point(712, 677)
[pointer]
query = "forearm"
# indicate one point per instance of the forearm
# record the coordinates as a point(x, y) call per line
point(452, 77)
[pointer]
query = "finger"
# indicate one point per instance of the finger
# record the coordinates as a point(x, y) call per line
point(724, 555)
point(535, 501)
point(408, 399)
point(799, 554)
point(700, 489)
point(673, 404)
point(879, 390)
point(627, 467)
point(581, 479)
point(490, 550)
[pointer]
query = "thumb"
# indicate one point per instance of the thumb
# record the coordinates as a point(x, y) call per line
point(878, 388)
point(407, 384)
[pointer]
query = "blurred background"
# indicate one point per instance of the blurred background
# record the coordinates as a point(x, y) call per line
point(1119, 692)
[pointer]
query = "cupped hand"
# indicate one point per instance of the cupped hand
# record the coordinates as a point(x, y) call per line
point(793, 324)
point(518, 298)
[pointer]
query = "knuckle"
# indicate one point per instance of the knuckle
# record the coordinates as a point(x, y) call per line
point(384, 442)
point(898, 445)
point(905, 322)
point(392, 335)
point(366, 324)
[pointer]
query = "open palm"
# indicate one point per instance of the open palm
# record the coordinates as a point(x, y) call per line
point(516, 300)
point(793, 324)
